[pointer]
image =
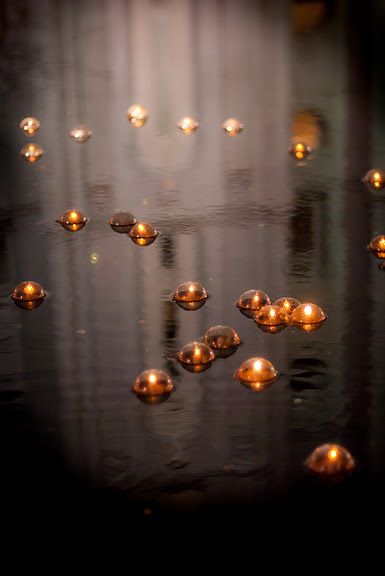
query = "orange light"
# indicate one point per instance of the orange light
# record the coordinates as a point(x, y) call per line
point(29, 288)
point(332, 454)
point(152, 378)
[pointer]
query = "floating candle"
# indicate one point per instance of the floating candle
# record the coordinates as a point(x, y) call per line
point(188, 124)
point(251, 301)
point(308, 314)
point(72, 220)
point(31, 153)
point(137, 115)
point(81, 133)
point(232, 126)
point(300, 151)
point(271, 315)
point(330, 460)
point(256, 373)
point(122, 222)
point(28, 295)
point(377, 247)
point(375, 178)
point(153, 386)
point(143, 233)
point(29, 125)
point(195, 357)
point(223, 340)
point(288, 304)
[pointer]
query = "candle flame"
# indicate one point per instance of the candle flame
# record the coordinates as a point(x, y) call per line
point(29, 288)
point(152, 378)
point(332, 454)
point(272, 313)
point(299, 147)
point(141, 228)
point(382, 242)
point(257, 365)
point(197, 352)
point(191, 288)
point(376, 176)
point(308, 310)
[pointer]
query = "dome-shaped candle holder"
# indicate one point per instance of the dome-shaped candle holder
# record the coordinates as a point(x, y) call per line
point(223, 340)
point(190, 295)
point(80, 133)
point(72, 220)
point(28, 295)
point(195, 357)
point(188, 124)
point(137, 115)
point(330, 460)
point(153, 386)
point(32, 153)
point(143, 233)
point(300, 151)
point(375, 179)
point(122, 222)
point(29, 125)
point(251, 301)
point(257, 374)
point(232, 126)
point(288, 304)
point(377, 247)
point(308, 317)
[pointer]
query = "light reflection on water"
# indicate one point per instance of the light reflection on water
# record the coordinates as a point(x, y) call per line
point(234, 214)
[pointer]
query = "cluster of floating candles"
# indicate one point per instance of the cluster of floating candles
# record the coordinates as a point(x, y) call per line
point(273, 318)
point(155, 386)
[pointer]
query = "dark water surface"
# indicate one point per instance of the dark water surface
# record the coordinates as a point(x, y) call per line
point(234, 213)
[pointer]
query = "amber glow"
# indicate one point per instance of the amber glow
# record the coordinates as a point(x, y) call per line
point(188, 124)
point(196, 354)
point(251, 301)
point(72, 220)
point(308, 314)
point(29, 125)
point(190, 292)
point(271, 315)
point(28, 291)
point(287, 303)
point(377, 247)
point(330, 460)
point(137, 115)
point(375, 178)
point(32, 153)
point(223, 339)
point(256, 373)
point(152, 378)
point(332, 454)
point(153, 386)
point(80, 133)
point(300, 150)
point(257, 365)
point(232, 126)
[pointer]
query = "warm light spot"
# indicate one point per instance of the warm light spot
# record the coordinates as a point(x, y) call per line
point(382, 242)
point(376, 176)
point(141, 228)
point(308, 310)
point(29, 288)
point(191, 288)
point(299, 147)
point(332, 454)
point(152, 378)
point(257, 365)
point(197, 352)
point(272, 313)
point(94, 258)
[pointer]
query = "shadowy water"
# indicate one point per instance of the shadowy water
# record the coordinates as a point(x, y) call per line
point(234, 213)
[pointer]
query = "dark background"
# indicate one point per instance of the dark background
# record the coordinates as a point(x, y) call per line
point(234, 213)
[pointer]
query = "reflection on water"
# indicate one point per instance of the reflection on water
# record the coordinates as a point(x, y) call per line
point(235, 213)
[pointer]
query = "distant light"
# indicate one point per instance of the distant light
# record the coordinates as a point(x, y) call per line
point(81, 133)
point(29, 125)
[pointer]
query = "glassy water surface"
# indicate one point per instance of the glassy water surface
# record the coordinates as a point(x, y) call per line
point(234, 213)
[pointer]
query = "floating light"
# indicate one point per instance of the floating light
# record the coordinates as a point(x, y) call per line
point(72, 220)
point(195, 357)
point(300, 151)
point(271, 315)
point(190, 295)
point(31, 153)
point(153, 386)
point(223, 340)
point(188, 124)
point(377, 246)
point(122, 222)
point(232, 126)
point(143, 233)
point(287, 303)
point(28, 295)
point(81, 133)
point(309, 315)
point(375, 178)
point(137, 115)
point(251, 301)
point(330, 460)
point(256, 373)
point(29, 125)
